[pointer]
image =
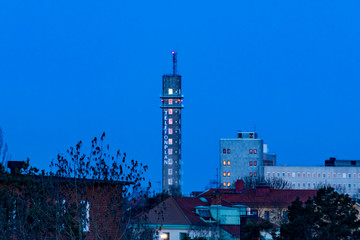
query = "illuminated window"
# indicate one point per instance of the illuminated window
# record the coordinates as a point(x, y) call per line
point(170, 91)
point(250, 174)
point(250, 151)
point(170, 121)
point(170, 131)
point(228, 184)
point(228, 151)
point(170, 151)
point(224, 150)
point(255, 151)
point(255, 163)
point(170, 161)
point(228, 174)
point(170, 101)
point(224, 184)
point(255, 174)
point(170, 181)
point(170, 111)
point(170, 171)
point(224, 174)
point(228, 163)
point(224, 163)
point(250, 163)
point(170, 141)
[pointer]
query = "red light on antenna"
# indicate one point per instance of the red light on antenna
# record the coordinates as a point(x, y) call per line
point(172, 52)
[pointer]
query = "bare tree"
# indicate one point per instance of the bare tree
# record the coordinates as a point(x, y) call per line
point(4, 156)
point(272, 182)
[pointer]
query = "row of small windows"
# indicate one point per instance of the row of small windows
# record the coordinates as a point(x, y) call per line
point(226, 174)
point(170, 151)
point(170, 181)
point(226, 163)
point(170, 101)
point(253, 174)
point(226, 150)
point(314, 175)
point(226, 184)
point(253, 151)
point(251, 163)
point(171, 121)
point(317, 185)
point(170, 131)
point(171, 91)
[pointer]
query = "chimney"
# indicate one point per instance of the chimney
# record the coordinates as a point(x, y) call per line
point(15, 166)
point(239, 186)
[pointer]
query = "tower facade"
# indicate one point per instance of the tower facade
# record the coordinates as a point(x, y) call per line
point(171, 106)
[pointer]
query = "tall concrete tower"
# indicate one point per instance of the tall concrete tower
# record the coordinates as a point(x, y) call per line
point(171, 99)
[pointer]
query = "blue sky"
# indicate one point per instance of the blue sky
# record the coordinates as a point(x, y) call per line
point(70, 70)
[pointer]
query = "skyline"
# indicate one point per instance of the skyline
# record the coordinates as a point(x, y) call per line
point(71, 70)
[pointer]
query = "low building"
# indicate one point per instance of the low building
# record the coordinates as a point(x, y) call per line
point(343, 179)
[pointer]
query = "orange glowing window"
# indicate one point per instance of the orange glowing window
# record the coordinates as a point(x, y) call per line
point(224, 174)
point(224, 184)
point(170, 101)
point(170, 111)
point(170, 141)
point(170, 131)
point(224, 163)
point(170, 121)
point(228, 184)
point(228, 174)
point(228, 163)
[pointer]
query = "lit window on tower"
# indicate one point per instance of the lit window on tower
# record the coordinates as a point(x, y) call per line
point(170, 141)
point(224, 184)
point(224, 163)
point(224, 174)
point(170, 121)
point(170, 151)
point(170, 101)
point(170, 131)
point(170, 171)
point(170, 91)
point(228, 163)
point(228, 174)
point(228, 184)
point(170, 161)
point(170, 181)
point(170, 111)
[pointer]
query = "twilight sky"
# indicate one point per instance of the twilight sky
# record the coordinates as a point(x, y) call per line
point(70, 70)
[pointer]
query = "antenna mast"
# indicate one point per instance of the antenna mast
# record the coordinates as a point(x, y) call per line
point(174, 62)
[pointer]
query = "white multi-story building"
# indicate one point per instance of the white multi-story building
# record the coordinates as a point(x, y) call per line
point(343, 179)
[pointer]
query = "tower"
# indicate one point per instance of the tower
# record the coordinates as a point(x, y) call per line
point(171, 106)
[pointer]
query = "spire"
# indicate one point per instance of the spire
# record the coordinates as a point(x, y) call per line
point(174, 62)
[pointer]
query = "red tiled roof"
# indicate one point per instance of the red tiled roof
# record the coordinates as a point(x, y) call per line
point(264, 197)
point(187, 205)
point(177, 211)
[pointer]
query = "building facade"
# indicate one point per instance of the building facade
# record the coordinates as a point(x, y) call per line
point(171, 130)
point(343, 179)
point(240, 157)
